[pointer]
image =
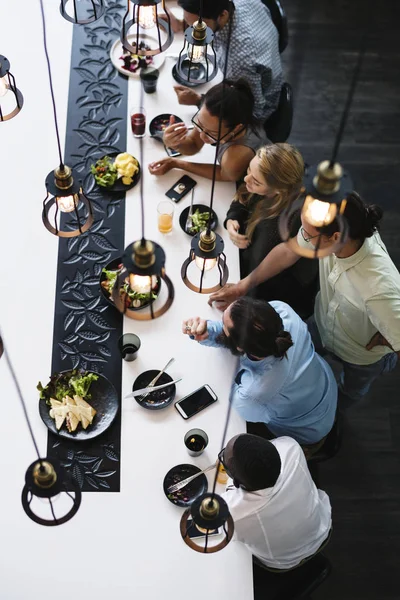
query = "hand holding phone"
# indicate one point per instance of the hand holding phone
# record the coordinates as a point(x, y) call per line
point(196, 402)
point(181, 188)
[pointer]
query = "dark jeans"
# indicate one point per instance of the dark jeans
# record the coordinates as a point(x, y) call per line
point(355, 380)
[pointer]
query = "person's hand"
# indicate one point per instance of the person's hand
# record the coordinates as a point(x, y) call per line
point(240, 241)
point(160, 167)
point(225, 296)
point(187, 96)
point(378, 340)
point(174, 134)
point(196, 328)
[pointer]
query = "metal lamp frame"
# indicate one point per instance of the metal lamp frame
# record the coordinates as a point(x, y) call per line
point(187, 57)
point(98, 11)
point(222, 519)
point(160, 24)
point(19, 99)
point(196, 251)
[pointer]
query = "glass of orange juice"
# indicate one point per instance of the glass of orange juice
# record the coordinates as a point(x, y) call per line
point(222, 476)
point(165, 212)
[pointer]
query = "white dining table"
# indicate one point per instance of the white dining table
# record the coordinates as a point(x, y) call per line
point(124, 545)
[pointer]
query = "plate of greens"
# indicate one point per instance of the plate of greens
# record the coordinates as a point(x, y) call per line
point(200, 215)
point(135, 294)
point(78, 405)
point(116, 172)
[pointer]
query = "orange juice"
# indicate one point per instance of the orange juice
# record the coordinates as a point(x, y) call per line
point(222, 476)
point(164, 223)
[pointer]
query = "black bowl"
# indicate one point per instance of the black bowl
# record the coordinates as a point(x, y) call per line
point(104, 399)
point(202, 208)
point(187, 495)
point(156, 124)
point(113, 266)
point(198, 71)
point(118, 185)
point(158, 399)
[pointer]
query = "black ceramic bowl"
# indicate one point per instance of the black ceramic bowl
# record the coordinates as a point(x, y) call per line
point(158, 399)
point(118, 185)
point(202, 208)
point(113, 266)
point(197, 71)
point(187, 495)
point(105, 401)
point(159, 123)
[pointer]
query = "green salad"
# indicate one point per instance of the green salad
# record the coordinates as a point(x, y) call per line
point(105, 172)
point(67, 384)
point(199, 221)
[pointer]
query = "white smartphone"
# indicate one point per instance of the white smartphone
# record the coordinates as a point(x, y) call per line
point(196, 401)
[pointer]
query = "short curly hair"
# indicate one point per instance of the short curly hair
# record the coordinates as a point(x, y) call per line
point(255, 463)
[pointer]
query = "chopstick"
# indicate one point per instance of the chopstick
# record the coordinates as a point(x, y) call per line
point(189, 220)
point(151, 389)
point(181, 484)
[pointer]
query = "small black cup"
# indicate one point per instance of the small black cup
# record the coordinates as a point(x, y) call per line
point(196, 441)
point(149, 79)
point(128, 345)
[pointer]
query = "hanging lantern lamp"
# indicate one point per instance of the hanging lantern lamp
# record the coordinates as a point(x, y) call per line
point(206, 252)
point(195, 65)
point(83, 12)
point(143, 31)
point(11, 99)
point(208, 513)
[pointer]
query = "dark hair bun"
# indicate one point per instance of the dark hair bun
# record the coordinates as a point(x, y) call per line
point(283, 343)
point(374, 214)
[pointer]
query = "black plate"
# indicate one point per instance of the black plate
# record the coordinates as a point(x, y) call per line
point(187, 495)
point(104, 399)
point(118, 185)
point(196, 68)
point(202, 208)
point(154, 127)
point(113, 266)
point(159, 399)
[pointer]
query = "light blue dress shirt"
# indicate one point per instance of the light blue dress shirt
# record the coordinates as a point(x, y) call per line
point(294, 396)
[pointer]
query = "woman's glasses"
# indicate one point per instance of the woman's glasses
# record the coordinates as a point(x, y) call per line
point(306, 236)
point(199, 127)
point(223, 463)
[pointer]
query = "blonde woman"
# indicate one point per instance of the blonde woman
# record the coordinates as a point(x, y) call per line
point(273, 181)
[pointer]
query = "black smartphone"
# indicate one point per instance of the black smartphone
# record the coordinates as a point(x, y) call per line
point(195, 533)
point(181, 188)
point(196, 401)
point(171, 151)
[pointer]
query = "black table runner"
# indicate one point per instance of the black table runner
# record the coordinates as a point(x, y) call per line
point(86, 329)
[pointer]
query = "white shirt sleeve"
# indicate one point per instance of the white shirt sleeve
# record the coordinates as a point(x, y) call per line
point(384, 313)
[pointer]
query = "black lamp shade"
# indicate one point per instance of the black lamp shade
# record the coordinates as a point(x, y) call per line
point(206, 261)
point(144, 17)
point(82, 12)
point(195, 65)
point(56, 485)
point(11, 99)
point(222, 519)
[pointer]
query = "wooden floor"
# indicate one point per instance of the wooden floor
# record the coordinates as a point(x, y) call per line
point(363, 481)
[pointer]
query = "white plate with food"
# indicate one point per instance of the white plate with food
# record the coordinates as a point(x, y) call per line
point(127, 63)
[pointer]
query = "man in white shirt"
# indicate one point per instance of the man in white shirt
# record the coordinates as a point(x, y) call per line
point(357, 311)
point(278, 512)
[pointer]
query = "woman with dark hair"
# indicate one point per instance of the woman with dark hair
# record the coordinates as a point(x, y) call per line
point(281, 381)
point(357, 312)
point(279, 513)
point(273, 182)
point(239, 140)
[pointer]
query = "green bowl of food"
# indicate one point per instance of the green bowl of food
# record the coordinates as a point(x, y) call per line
point(199, 220)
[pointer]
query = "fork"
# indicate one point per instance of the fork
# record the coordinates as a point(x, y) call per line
point(181, 484)
point(154, 380)
point(189, 220)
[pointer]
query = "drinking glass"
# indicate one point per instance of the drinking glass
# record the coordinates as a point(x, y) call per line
point(138, 121)
point(128, 345)
point(196, 441)
point(165, 211)
point(149, 79)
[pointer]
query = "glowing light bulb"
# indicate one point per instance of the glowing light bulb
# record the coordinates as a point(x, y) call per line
point(318, 213)
point(209, 263)
point(197, 53)
point(66, 204)
point(147, 16)
point(3, 86)
point(140, 284)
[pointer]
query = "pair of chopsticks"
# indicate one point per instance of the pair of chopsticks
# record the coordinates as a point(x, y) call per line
point(181, 484)
point(151, 387)
point(189, 221)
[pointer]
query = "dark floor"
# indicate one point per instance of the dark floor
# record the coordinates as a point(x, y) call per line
point(363, 481)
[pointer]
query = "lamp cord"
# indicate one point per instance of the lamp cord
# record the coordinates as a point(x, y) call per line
point(21, 398)
point(349, 100)
point(214, 174)
point(141, 151)
point(51, 84)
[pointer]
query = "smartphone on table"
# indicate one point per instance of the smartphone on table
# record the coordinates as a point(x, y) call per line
point(181, 188)
point(171, 152)
point(196, 402)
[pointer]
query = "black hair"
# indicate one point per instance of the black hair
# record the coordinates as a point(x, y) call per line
point(211, 8)
point(363, 219)
point(258, 329)
point(255, 462)
point(238, 102)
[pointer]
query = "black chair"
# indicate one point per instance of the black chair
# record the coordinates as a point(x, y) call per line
point(297, 584)
point(279, 19)
point(332, 444)
point(279, 125)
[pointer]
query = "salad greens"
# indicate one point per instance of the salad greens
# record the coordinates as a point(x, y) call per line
point(111, 278)
point(105, 172)
point(138, 295)
point(67, 384)
point(199, 221)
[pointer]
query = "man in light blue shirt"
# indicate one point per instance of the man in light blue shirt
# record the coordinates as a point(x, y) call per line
point(281, 380)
